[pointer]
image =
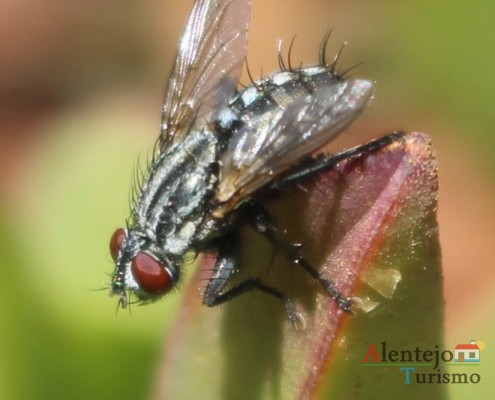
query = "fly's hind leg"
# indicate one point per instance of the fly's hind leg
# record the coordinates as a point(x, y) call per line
point(225, 267)
point(314, 166)
point(262, 222)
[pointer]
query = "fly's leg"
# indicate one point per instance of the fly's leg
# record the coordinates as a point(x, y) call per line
point(313, 166)
point(225, 267)
point(262, 222)
point(226, 263)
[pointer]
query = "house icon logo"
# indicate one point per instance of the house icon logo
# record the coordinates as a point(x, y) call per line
point(467, 353)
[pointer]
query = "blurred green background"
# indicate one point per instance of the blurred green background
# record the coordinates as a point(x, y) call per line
point(81, 85)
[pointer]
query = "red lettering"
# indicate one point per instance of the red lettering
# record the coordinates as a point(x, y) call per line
point(371, 352)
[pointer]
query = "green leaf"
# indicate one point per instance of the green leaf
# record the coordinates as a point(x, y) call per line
point(369, 225)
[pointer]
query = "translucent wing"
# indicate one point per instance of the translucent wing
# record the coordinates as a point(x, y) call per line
point(269, 145)
point(208, 64)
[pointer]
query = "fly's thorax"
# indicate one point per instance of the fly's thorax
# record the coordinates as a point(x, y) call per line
point(176, 192)
point(142, 268)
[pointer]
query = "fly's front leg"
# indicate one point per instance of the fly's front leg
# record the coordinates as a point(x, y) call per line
point(314, 166)
point(262, 222)
point(225, 266)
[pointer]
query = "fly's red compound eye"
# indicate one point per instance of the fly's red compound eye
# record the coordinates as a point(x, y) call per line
point(151, 275)
point(116, 242)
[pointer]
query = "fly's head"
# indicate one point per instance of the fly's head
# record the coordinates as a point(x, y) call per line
point(142, 269)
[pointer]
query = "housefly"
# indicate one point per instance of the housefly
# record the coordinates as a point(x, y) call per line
point(221, 152)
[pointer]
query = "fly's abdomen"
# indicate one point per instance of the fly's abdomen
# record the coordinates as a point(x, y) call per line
point(277, 122)
point(280, 90)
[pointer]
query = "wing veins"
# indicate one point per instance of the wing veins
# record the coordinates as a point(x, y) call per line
point(305, 125)
point(195, 64)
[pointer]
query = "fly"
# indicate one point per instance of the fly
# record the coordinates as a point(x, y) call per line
point(221, 152)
